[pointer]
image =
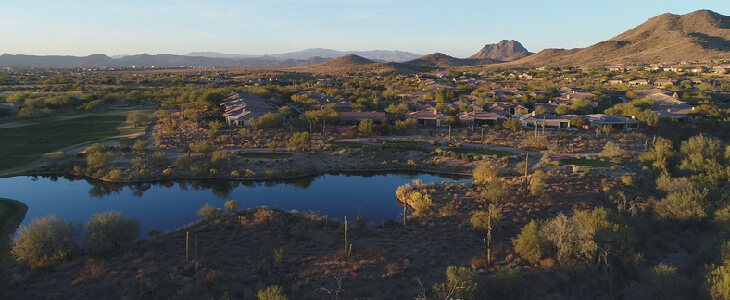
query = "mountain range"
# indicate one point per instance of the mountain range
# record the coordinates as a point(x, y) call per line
point(700, 35)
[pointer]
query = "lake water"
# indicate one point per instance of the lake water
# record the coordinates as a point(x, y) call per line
point(168, 205)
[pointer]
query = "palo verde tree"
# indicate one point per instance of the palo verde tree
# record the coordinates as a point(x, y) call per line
point(46, 241)
point(111, 229)
point(137, 118)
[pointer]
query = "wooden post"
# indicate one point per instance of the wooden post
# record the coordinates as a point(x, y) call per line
point(345, 233)
point(187, 245)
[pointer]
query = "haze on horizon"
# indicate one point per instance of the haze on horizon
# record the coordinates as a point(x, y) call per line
point(83, 27)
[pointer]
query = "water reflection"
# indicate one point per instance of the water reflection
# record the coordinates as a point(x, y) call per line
point(165, 205)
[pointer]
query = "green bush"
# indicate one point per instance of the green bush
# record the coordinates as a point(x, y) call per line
point(209, 211)
point(231, 205)
point(46, 241)
point(480, 220)
point(272, 292)
point(111, 229)
point(529, 242)
point(460, 284)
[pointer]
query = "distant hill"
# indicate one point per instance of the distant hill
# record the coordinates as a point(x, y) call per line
point(350, 60)
point(503, 51)
point(700, 35)
point(441, 60)
point(375, 55)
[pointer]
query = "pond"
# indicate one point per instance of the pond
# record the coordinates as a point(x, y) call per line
point(168, 205)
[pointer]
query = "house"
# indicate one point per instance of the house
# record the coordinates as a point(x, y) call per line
point(241, 107)
point(617, 122)
point(666, 104)
point(505, 108)
point(12, 107)
point(428, 118)
point(354, 118)
point(664, 82)
point(480, 118)
point(695, 69)
point(324, 99)
point(725, 69)
point(549, 121)
point(616, 81)
point(639, 81)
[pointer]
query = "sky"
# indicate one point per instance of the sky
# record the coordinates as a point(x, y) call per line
point(458, 27)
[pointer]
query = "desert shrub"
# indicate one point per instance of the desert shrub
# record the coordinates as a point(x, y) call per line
point(480, 220)
point(299, 141)
point(537, 183)
point(665, 282)
point(99, 159)
point(529, 242)
point(682, 206)
point(183, 162)
point(272, 292)
point(718, 282)
point(722, 219)
point(485, 172)
point(611, 150)
point(46, 241)
point(140, 146)
point(497, 191)
point(157, 159)
point(111, 229)
point(115, 174)
point(209, 211)
point(506, 282)
point(420, 202)
point(666, 183)
point(231, 205)
point(460, 284)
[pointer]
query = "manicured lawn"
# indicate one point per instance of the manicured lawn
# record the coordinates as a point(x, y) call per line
point(16, 148)
point(585, 162)
point(347, 145)
point(498, 153)
point(408, 144)
point(267, 155)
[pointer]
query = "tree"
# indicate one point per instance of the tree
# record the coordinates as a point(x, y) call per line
point(481, 219)
point(272, 292)
point(269, 120)
point(366, 127)
point(685, 205)
point(46, 241)
point(399, 110)
point(140, 146)
point(513, 124)
point(529, 242)
point(578, 122)
point(444, 95)
point(137, 118)
point(497, 191)
point(649, 117)
point(231, 205)
point(582, 106)
point(299, 141)
point(562, 110)
point(701, 154)
point(202, 147)
point(485, 172)
point(99, 160)
point(611, 150)
point(111, 229)
point(209, 211)
point(211, 99)
point(460, 284)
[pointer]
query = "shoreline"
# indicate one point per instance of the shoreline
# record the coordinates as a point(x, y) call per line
point(313, 174)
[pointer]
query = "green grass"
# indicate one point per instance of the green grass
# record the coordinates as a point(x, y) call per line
point(407, 144)
point(267, 155)
point(347, 145)
point(582, 162)
point(16, 149)
point(499, 153)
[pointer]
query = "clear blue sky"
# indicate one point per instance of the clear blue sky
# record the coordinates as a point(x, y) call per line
point(458, 28)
